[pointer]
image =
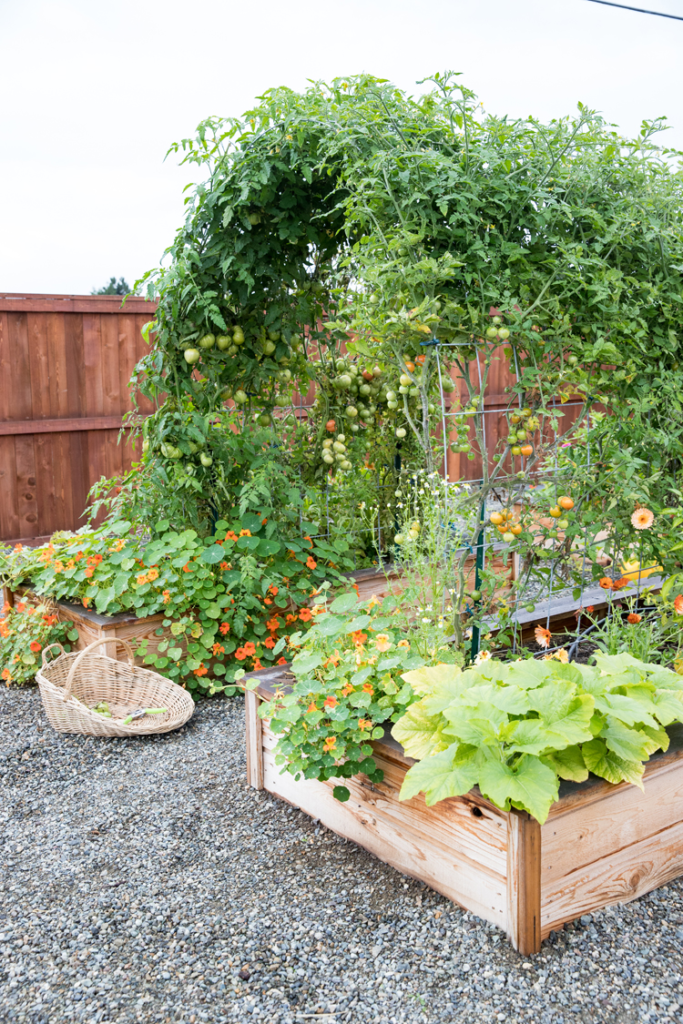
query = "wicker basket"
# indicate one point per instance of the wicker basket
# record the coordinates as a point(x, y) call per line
point(72, 684)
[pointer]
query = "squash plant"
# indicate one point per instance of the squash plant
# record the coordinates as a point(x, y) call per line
point(516, 729)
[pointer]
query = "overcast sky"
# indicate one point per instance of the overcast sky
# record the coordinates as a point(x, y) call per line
point(93, 93)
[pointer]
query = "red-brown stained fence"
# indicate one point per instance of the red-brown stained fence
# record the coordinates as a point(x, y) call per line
point(65, 363)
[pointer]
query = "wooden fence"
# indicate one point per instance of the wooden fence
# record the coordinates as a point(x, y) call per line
point(65, 363)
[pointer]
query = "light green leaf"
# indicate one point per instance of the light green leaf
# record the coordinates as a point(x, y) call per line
point(419, 733)
point(609, 766)
point(659, 736)
point(568, 763)
point(512, 699)
point(451, 772)
point(565, 716)
point(436, 679)
point(344, 603)
point(212, 555)
point(628, 744)
point(305, 663)
point(669, 705)
point(528, 736)
point(627, 709)
point(481, 724)
point(530, 785)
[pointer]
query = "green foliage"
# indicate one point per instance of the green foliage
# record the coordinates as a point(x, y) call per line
point(227, 598)
point(348, 684)
point(120, 287)
point(26, 630)
point(516, 729)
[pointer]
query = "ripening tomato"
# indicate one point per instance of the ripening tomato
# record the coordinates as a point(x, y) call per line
point(330, 425)
point(556, 512)
point(527, 450)
point(565, 502)
point(516, 529)
point(421, 360)
point(496, 518)
point(410, 367)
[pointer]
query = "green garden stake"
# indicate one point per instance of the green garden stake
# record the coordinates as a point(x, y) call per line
point(479, 565)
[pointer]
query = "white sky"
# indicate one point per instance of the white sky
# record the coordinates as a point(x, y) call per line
point(94, 92)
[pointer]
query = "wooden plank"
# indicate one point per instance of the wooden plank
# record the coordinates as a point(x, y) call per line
point(26, 480)
point(10, 524)
point(22, 303)
point(524, 883)
point(365, 819)
point(60, 426)
point(254, 731)
point(618, 878)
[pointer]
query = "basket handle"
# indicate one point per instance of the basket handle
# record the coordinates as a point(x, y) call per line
point(49, 648)
point(91, 647)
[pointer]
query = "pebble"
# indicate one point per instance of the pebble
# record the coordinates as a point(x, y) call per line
point(143, 882)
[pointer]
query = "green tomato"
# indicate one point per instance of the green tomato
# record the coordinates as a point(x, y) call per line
point(563, 524)
point(208, 341)
point(400, 432)
point(491, 333)
point(192, 355)
point(351, 411)
point(503, 333)
point(206, 460)
point(269, 348)
point(240, 397)
point(475, 595)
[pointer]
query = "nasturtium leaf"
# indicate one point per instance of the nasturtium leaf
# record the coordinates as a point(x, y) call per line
point(530, 784)
point(212, 555)
point(451, 772)
point(419, 733)
point(610, 766)
point(268, 547)
point(628, 744)
point(305, 663)
point(344, 603)
point(250, 521)
point(329, 625)
point(360, 622)
point(341, 793)
point(248, 543)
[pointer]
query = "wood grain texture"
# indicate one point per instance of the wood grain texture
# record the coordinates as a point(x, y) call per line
point(524, 883)
point(254, 735)
point(455, 852)
point(65, 363)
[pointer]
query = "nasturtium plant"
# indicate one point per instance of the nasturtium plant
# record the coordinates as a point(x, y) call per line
point(348, 684)
point(26, 629)
point(227, 598)
point(515, 729)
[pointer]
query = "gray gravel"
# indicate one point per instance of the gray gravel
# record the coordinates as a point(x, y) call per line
point(141, 880)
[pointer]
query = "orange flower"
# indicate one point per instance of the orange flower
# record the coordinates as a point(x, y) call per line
point(332, 660)
point(382, 642)
point(71, 564)
point(368, 687)
point(142, 578)
point(89, 572)
point(18, 547)
point(359, 637)
point(272, 589)
point(50, 620)
point(202, 670)
point(267, 600)
point(187, 567)
point(35, 646)
point(119, 546)
point(606, 583)
point(330, 702)
point(245, 533)
point(249, 648)
point(678, 605)
point(642, 519)
point(21, 606)
point(305, 614)
point(633, 618)
point(240, 654)
point(272, 625)
point(403, 643)
point(619, 584)
point(224, 566)
point(4, 629)
point(218, 649)
point(269, 643)
point(6, 675)
point(152, 574)
point(329, 744)
point(346, 690)
point(364, 723)
point(257, 664)
point(224, 628)
point(312, 707)
point(282, 661)
point(231, 535)
point(543, 636)
point(166, 594)
point(311, 562)
point(290, 618)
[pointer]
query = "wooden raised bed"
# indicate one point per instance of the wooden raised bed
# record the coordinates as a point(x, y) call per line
point(601, 844)
point(92, 626)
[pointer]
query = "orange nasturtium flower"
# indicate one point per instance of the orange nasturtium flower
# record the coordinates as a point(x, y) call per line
point(329, 744)
point(245, 533)
point(330, 702)
point(153, 574)
point(282, 661)
point(403, 643)
point(678, 605)
point(543, 636)
point(312, 707)
point(382, 642)
point(166, 595)
point(224, 566)
point(224, 628)
point(364, 723)
point(359, 637)
point(368, 687)
point(305, 614)
point(6, 675)
point(90, 571)
point(257, 664)
point(272, 625)
point(35, 646)
point(231, 535)
point(249, 648)
point(240, 654)
point(269, 643)
point(218, 649)
point(332, 660)
point(347, 689)
point(311, 562)
point(142, 578)
point(202, 670)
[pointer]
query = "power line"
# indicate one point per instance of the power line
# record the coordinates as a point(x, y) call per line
point(640, 10)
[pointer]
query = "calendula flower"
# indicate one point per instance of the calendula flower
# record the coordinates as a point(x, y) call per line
point(560, 655)
point(620, 583)
point(35, 646)
point(606, 583)
point(678, 605)
point(329, 744)
point(633, 618)
point(642, 519)
point(382, 642)
point(543, 636)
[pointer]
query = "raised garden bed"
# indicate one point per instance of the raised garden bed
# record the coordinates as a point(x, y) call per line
point(600, 845)
point(93, 626)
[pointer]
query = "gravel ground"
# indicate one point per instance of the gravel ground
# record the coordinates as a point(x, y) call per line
point(142, 881)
